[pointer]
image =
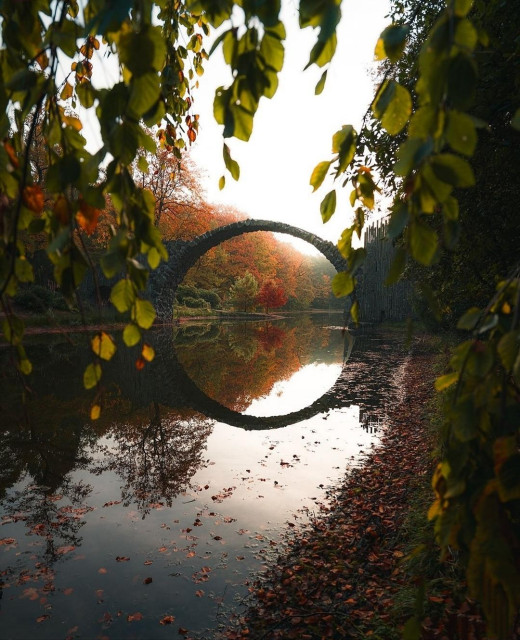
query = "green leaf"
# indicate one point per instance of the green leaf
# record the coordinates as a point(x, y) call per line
point(470, 319)
point(443, 382)
point(143, 51)
point(23, 270)
point(25, 366)
point(392, 42)
point(103, 345)
point(86, 94)
point(221, 182)
point(318, 174)
point(410, 154)
point(465, 424)
point(272, 50)
point(142, 164)
point(398, 220)
point(423, 243)
point(238, 123)
point(393, 106)
point(397, 267)
point(231, 165)
point(509, 349)
point(342, 284)
point(354, 312)
point(323, 51)
point(123, 295)
point(144, 93)
point(92, 375)
point(466, 35)
point(321, 83)
point(453, 170)
point(461, 81)
point(154, 258)
point(461, 133)
point(143, 313)
point(344, 144)
point(345, 242)
point(515, 122)
point(328, 206)
point(131, 335)
point(462, 7)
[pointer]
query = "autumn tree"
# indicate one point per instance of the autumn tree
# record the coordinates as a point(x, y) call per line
point(181, 211)
point(271, 295)
point(243, 291)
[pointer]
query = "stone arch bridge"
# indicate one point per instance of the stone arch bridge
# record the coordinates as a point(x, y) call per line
point(183, 255)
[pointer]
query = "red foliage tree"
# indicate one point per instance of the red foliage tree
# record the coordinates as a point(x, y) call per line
point(272, 295)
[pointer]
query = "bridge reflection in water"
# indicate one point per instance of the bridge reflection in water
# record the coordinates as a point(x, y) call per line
point(161, 461)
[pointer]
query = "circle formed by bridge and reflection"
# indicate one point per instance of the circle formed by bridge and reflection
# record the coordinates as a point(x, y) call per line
point(295, 380)
point(183, 255)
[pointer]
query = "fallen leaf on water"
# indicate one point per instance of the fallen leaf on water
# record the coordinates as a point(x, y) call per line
point(183, 631)
point(134, 616)
point(63, 550)
point(68, 591)
point(46, 616)
point(7, 541)
point(167, 620)
point(102, 570)
point(199, 593)
point(122, 558)
point(147, 580)
point(148, 562)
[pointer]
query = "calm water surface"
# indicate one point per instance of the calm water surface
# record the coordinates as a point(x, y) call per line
point(152, 520)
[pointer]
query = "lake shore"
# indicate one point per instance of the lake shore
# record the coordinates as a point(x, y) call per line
point(352, 572)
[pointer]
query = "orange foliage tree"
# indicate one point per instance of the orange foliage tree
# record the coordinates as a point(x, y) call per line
point(272, 295)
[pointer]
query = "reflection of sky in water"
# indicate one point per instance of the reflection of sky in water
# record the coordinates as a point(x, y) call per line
point(223, 519)
point(299, 391)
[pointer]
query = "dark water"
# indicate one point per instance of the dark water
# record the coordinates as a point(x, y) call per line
point(151, 520)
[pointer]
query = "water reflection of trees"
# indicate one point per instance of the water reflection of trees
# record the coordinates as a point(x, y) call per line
point(156, 456)
point(247, 360)
point(41, 445)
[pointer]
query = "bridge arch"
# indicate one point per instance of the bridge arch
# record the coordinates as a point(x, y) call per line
point(183, 255)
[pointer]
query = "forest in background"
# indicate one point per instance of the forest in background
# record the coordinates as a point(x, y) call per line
point(249, 272)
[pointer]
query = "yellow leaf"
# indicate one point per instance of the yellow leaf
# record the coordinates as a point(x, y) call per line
point(148, 352)
point(95, 412)
point(103, 345)
point(66, 92)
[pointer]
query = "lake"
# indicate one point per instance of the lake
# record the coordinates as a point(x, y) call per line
point(154, 519)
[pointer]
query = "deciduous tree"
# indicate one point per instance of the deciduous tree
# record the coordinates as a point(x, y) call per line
point(271, 295)
point(243, 291)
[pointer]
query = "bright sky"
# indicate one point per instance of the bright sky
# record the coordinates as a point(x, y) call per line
point(293, 130)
